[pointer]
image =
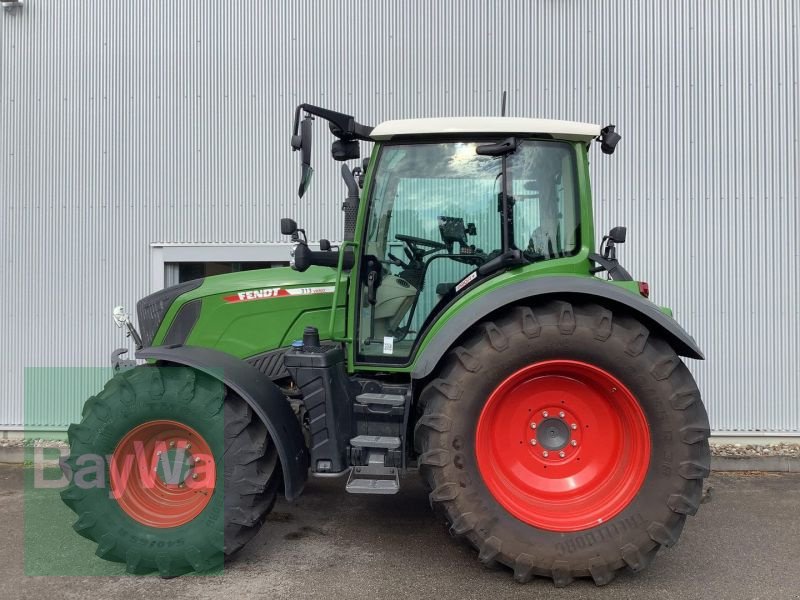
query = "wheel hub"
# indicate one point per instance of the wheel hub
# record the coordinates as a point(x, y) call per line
point(174, 466)
point(553, 434)
point(162, 473)
point(563, 445)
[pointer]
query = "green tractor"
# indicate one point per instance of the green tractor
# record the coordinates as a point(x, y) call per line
point(465, 327)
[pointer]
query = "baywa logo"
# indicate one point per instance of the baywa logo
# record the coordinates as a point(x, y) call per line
point(153, 467)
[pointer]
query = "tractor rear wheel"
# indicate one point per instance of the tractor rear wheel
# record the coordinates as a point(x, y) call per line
point(170, 471)
point(564, 441)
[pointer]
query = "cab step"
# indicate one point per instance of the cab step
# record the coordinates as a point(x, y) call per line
point(381, 399)
point(374, 477)
point(373, 480)
point(375, 441)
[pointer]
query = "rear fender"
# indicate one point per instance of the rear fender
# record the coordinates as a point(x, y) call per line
point(263, 396)
point(540, 289)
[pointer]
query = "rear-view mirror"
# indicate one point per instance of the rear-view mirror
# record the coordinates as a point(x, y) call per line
point(618, 234)
point(288, 226)
point(305, 179)
point(302, 141)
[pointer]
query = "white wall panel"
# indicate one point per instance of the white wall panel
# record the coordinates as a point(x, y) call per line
point(128, 123)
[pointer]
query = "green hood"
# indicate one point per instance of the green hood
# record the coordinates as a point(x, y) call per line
point(250, 312)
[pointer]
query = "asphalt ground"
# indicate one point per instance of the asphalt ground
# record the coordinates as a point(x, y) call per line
point(743, 544)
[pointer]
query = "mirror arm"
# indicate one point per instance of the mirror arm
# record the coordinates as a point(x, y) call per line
point(344, 126)
point(362, 132)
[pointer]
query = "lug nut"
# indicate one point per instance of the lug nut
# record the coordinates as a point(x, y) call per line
point(188, 446)
point(562, 414)
point(573, 443)
point(545, 454)
point(158, 453)
point(533, 425)
point(194, 475)
point(533, 442)
point(181, 484)
point(561, 454)
point(545, 413)
point(172, 444)
point(574, 426)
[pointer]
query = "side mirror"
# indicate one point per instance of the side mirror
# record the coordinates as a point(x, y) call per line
point(324, 245)
point(305, 180)
point(609, 139)
point(618, 234)
point(342, 150)
point(288, 226)
point(302, 142)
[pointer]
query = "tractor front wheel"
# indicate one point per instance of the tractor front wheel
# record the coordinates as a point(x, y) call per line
point(170, 471)
point(564, 441)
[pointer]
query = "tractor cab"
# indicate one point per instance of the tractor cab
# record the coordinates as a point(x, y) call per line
point(438, 220)
point(450, 203)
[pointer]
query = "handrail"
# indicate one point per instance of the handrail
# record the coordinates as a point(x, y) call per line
point(336, 292)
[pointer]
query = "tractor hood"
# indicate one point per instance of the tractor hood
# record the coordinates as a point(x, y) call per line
point(243, 313)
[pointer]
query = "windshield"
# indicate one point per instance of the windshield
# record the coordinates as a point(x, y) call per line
point(435, 216)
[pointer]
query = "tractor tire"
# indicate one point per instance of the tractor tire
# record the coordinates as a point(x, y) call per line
point(208, 498)
point(564, 441)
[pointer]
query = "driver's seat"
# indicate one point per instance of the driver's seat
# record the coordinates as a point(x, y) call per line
point(416, 277)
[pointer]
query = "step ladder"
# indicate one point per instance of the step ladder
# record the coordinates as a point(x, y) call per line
point(374, 477)
point(381, 402)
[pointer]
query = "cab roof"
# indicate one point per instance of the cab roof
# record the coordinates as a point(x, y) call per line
point(565, 130)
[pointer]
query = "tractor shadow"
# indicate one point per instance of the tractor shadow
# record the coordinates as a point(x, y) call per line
point(377, 530)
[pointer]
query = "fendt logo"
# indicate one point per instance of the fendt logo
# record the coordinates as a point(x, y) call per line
point(277, 292)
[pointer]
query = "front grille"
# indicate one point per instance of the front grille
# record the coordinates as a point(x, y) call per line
point(151, 309)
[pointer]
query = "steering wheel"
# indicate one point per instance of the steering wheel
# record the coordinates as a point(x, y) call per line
point(415, 241)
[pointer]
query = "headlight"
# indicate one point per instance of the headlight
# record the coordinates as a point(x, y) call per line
point(120, 316)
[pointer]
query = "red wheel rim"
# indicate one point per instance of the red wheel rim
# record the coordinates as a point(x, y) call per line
point(162, 474)
point(563, 445)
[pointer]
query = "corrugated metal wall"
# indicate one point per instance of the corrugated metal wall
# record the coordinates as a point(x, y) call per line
point(126, 123)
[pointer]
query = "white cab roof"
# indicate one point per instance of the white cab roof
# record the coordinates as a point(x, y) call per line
point(565, 130)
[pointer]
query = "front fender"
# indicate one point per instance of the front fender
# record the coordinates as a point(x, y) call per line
point(537, 290)
point(260, 393)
